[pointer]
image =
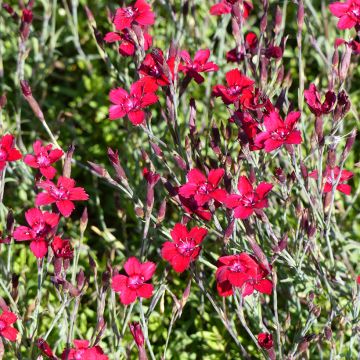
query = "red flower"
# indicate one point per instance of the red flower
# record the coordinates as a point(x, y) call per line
point(248, 200)
point(62, 194)
point(83, 351)
point(184, 248)
point(236, 84)
point(225, 7)
point(62, 248)
point(140, 13)
point(251, 45)
point(241, 271)
point(248, 130)
point(279, 132)
point(203, 189)
point(347, 12)
point(43, 158)
point(127, 44)
point(265, 340)
point(191, 207)
point(192, 68)
point(331, 176)
point(142, 94)
point(7, 150)
point(153, 66)
point(41, 225)
point(45, 348)
point(358, 279)
point(134, 284)
point(7, 318)
point(137, 333)
point(313, 100)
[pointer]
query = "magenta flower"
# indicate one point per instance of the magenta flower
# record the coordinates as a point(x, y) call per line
point(279, 132)
point(193, 68)
point(134, 285)
point(313, 100)
point(331, 176)
point(236, 84)
point(7, 151)
point(348, 13)
point(142, 94)
point(203, 188)
point(62, 248)
point(265, 340)
point(185, 247)
point(63, 194)
point(43, 158)
point(7, 318)
point(140, 13)
point(225, 7)
point(41, 225)
point(249, 200)
point(83, 351)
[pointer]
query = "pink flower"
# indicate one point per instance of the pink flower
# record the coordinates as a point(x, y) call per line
point(62, 248)
point(62, 194)
point(203, 188)
point(41, 225)
point(331, 176)
point(142, 94)
point(133, 285)
point(225, 7)
point(279, 132)
point(185, 247)
point(313, 100)
point(7, 151)
point(236, 84)
point(348, 13)
point(83, 351)
point(192, 68)
point(249, 200)
point(241, 271)
point(127, 45)
point(140, 13)
point(43, 158)
point(7, 318)
point(265, 340)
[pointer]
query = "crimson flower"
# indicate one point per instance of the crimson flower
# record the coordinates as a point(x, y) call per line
point(192, 68)
point(62, 194)
point(249, 200)
point(241, 271)
point(348, 13)
point(265, 340)
point(225, 7)
point(279, 132)
point(41, 225)
point(185, 247)
point(133, 285)
point(248, 130)
point(83, 351)
point(331, 176)
point(7, 318)
point(62, 248)
point(140, 13)
point(43, 158)
point(137, 333)
point(251, 45)
point(127, 44)
point(191, 207)
point(236, 84)
point(45, 348)
point(313, 100)
point(203, 188)
point(142, 94)
point(7, 151)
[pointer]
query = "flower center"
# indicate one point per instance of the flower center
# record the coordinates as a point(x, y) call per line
point(43, 160)
point(79, 354)
point(40, 228)
point(186, 246)
point(132, 104)
point(205, 188)
point(249, 199)
point(280, 134)
point(2, 325)
point(3, 155)
point(135, 281)
point(237, 267)
point(129, 12)
point(234, 90)
point(59, 193)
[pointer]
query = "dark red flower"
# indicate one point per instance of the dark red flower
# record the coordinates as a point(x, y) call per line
point(265, 340)
point(251, 45)
point(137, 333)
point(313, 99)
point(7, 318)
point(225, 7)
point(140, 13)
point(203, 189)
point(192, 68)
point(127, 45)
point(185, 247)
point(348, 13)
point(241, 271)
point(191, 207)
point(7, 151)
point(142, 94)
point(45, 348)
point(249, 200)
point(236, 84)
point(41, 225)
point(279, 132)
point(83, 351)
point(62, 194)
point(62, 248)
point(133, 285)
point(43, 158)
point(331, 176)
point(273, 52)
